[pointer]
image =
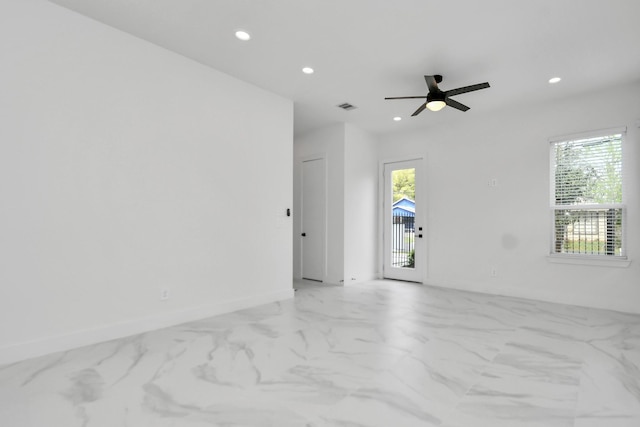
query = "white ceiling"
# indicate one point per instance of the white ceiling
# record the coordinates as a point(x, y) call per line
point(366, 50)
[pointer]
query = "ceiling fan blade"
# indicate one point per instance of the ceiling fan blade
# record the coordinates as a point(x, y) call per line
point(455, 104)
point(419, 110)
point(466, 89)
point(432, 84)
point(407, 97)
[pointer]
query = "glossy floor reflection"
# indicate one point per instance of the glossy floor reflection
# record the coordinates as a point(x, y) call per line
point(376, 354)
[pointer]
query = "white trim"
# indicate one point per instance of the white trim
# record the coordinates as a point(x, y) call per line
point(593, 260)
point(588, 134)
point(317, 156)
point(64, 342)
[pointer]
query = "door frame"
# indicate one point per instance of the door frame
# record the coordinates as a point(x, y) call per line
point(421, 217)
point(301, 161)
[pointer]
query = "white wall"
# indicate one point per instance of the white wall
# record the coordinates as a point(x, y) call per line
point(360, 205)
point(473, 227)
point(125, 169)
point(327, 143)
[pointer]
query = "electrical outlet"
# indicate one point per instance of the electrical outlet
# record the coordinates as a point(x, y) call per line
point(492, 182)
point(164, 294)
point(494, 272)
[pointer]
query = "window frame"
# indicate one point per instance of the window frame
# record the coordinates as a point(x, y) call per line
point(583, 258)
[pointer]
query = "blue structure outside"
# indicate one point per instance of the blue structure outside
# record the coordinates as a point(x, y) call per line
point(404, 207)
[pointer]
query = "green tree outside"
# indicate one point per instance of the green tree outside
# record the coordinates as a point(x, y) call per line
point(608, 187)
point(404, 184)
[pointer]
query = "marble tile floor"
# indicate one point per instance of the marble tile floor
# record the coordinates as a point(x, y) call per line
point(375, 354)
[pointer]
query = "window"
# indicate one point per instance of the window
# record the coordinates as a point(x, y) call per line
point(587, 207)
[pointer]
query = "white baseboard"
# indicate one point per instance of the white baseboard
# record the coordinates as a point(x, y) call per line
point(552, 297)
point(80, 338)
point(362, 279)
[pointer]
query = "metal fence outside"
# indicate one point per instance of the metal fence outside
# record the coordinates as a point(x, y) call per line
point(403, 241)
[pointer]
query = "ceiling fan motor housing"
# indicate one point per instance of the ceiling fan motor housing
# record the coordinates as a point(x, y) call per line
point(435, 96)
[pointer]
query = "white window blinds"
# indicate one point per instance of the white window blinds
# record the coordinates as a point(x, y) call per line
point(586, 200)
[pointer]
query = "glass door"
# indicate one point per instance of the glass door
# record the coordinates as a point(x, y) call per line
point(403, 228)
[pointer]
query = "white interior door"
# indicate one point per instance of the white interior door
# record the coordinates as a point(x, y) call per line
point(313, 219)
point(404, 229)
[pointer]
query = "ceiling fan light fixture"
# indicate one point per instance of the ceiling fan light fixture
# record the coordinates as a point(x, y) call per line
point(435, 101)
point(436, 105)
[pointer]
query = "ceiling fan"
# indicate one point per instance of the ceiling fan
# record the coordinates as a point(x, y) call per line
point(437, 99)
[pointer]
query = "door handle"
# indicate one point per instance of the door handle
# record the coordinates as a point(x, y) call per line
point(303, 234)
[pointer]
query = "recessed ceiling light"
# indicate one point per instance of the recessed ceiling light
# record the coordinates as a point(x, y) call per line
point(243, 35)
point(554, 80)
point(307, 70)
point(397, 118)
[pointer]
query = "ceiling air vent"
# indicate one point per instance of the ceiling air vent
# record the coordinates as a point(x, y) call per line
point(347, 107)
